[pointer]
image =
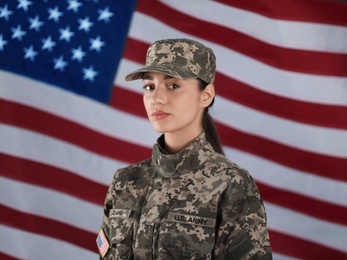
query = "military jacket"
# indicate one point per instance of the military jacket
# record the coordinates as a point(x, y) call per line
point(195, 204)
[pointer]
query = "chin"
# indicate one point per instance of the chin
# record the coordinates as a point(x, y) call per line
point(160, 129)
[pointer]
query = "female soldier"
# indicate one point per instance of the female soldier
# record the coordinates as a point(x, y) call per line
point(188, 201)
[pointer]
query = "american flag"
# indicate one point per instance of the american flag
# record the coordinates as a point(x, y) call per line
point(67, 122)
point(102, 243)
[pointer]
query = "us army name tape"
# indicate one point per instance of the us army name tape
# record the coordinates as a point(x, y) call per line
point(190, 219)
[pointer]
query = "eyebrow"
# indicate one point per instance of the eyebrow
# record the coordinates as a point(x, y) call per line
point(149, 77)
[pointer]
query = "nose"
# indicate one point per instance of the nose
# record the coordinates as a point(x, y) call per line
point(159, 96)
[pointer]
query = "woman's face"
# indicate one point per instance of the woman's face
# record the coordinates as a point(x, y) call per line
point(173, 105)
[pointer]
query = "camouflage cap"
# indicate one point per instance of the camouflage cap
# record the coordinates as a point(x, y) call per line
point(178, 58)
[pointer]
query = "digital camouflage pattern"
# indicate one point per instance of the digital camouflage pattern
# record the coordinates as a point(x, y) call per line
point(179, 58)
point(191, 205)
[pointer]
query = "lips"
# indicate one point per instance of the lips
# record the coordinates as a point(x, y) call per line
point(159, 115)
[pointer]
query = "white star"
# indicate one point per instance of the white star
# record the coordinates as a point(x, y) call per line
point(73, 5)
point(17, 33)
point(35, 23)
point(47, 43)
point(4, 12)
point(30, 53)
point(96, 44)
point(24, 4)
point(85, 24)
point(54, 14)
point(2, 43)
point(60, 64)
point(89, 73)
point(78, 54)
point(104, 14)
point(66, 34)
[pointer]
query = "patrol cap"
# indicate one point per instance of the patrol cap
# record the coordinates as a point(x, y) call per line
point(178, 58)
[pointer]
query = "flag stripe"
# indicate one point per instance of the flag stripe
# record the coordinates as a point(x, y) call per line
point(289, 10)
point(310, 229)
point(54, 248)
point(294, 85)
point(306, 112)
point(293, 60)
point(286, 179)
point(52, 178)
point(79, 161)
point(7, 257)
point(44, 226)
point(30, 118)
point(13, 193)
point(48, 99)
point(309, 206)
point(305, 35)
point(325, 166)
point(123, 103)
point(298, 247)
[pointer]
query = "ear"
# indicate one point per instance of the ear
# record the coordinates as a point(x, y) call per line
point(207, 95)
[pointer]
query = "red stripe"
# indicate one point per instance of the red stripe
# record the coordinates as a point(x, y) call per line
point(309, 206)
point(306, 112)
point(7, 257)
point(31, 118)
point(329, 11)
point(48, 227)
point(305, 61)
point(321, 165)
point(324, 165)
point(121, 100)
point(51, 178)
point(125, 100)
point(302, 249)
point(309, 113)
point(136, 51)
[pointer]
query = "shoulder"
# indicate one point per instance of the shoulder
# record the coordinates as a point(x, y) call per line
point(134, 171)
point(218, 164)
point(237, 179)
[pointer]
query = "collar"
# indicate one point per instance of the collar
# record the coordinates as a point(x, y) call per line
point(187, 160)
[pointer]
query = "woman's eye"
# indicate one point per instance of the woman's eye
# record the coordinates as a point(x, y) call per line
point(148, 87)
point(173, 86)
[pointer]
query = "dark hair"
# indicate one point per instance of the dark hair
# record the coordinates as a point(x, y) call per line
point(208, 124)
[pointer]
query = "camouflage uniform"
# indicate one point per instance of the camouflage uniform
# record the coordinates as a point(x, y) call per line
point(195, 204)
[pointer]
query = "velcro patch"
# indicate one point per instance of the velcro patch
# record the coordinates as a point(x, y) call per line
point(102, 243)
point(120, 213)
point(191, 219)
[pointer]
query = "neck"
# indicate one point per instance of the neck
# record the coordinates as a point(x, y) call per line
point(175, 142)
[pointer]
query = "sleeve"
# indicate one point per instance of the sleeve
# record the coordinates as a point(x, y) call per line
point(242, 226)
point(103, 239)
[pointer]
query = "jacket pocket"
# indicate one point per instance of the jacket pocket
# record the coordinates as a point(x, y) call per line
point(121, 236)
point(187, 236)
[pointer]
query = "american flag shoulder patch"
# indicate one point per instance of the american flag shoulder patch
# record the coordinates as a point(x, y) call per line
point(102, 243)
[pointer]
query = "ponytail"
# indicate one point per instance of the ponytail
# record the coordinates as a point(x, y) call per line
point(209, 126)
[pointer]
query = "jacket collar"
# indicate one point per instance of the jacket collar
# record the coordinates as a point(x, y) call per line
point(188, 159)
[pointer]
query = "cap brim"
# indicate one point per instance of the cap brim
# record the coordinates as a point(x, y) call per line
point(173, 72)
